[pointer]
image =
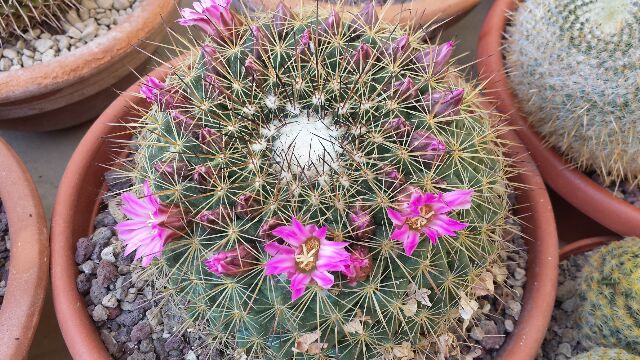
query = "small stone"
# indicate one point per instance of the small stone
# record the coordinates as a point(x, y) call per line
point(130, 318)
point(121, 4)
point(97, 292)
point(191, 356)
point(569, 305)
point(508, 324)
point(88, 267)
point(105, 4)
point(75, 34)
point(106, 273)
point(89, 33)
point(21, 45)
point(141, 331)
point(73, 19)
point(566, 290)
point(63, 42)
point(112, 346)
point(105, 219)
point(10, 53)
point(100, 313)
point(83, 283)
point(89, 4)
point(146, 346)
point(514, 308)
point(49, 55)
point(43, 45)
point(107, 254)
point(565, 349)
point(110, 301)
point(492, 338)
point(519, 274)
point(137, 355)
point(476, 333)
point(84, 249)
point(5, 64)
point(84, 14)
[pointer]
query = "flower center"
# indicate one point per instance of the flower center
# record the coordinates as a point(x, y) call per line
point(306, 259)
point(418, 222)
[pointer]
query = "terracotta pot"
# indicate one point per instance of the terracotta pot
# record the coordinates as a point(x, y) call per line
point(418, 13)
point(76, 87)
point(585, 245)
point(577, 188)
point(29, 257)
point(83, 183)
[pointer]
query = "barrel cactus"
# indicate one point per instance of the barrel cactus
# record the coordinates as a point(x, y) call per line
point(574, 66)
point(609, 297)
point(316, 184)
point(606, 354)
point(17, 15)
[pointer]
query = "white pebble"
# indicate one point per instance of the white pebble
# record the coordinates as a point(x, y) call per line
point(110, 301)
point(43, 45)
point(105, 4)
point(27, 61)
point(107, 254)
point(5, 64)
point(10, 53)
point(121, 4)
point(89, 4)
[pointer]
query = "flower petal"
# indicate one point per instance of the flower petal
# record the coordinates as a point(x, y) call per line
point(396, 217)
point(411, 242)
point(323, 278)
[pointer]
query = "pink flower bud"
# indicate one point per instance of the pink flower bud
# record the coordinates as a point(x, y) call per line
point(427, 146)
point(217, 217)
point(397, 127)
point(405, 90)
point(204, 175)
point(397, 48)
point(250, 68)
point(172, 170)
point(214, 18)
point(281, 17)
point(360, 265)
point(366, 18)
point(444, 103)
point(231, 263)
point(155, 91)
point(361, 224)
point(268, 226)
point(258, 41)
point(210, 139)
point(404, 195)
point(305, 46)
point(247, 205)
point(435, 58)
point(362, 56)
point(184, 123)
point(392, 179)
point(212, 59)
point(331, 24)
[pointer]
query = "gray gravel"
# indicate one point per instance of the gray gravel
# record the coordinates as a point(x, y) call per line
point(5, 246)
point(79, 28)
point(624, 190)
point(562, 341)
point(130, 319)
point(497, 314)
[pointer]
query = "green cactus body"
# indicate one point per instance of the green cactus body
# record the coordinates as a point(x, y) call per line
point(574, 66)
point(609, 297)
point(17, 15)
point(605, 354)
point(258, 131)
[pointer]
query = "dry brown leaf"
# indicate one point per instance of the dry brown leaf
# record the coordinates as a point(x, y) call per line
point(422, 295)
point(483, 285)
point(403, 351)
point(444, 343)
point(357, 324)
point(411, 307)
point(499, 272)
point(306, 344)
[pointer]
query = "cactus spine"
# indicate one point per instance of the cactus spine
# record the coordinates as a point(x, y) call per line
point(335, 120)
point(574, 66)
point(606, 354)
point(18, 15)
point(609, 297)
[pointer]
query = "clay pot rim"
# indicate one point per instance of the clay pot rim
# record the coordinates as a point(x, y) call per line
point(403, 13)
point(584, 245)
point(88, 60)
point(29, 256)
point(81, 335)
point(573, 185)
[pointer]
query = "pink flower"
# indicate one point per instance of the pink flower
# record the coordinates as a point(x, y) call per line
point(427, 213)
point(152, 225)
point(307, 255)
point(359, 266)
point(214, 17)
point(233, 262)
point(151, 88)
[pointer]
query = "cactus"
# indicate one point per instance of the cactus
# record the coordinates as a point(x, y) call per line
point(606, 354)
point(17, 15)
point(342, 188)
point(574, 66)
point(609, 297)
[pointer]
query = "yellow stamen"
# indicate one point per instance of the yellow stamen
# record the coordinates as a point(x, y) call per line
point(306, 260)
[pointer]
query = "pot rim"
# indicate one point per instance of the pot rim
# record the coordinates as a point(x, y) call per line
point(416, 12)
point(584, 245)
point(29, 256)
point(81, 335)
point(90, 59)
point(578, 189)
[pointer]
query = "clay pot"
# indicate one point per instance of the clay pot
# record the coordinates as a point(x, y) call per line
point(574, 186)
point(76, 87)
point(29, 257)
point(585, 245)
point(83, 184)
point(418, 13)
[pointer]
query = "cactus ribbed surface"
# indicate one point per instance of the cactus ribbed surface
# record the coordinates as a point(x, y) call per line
point(574, 65)
point(335, 120)
point(609, 297)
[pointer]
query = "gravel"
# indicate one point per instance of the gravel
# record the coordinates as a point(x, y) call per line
point(625, 190)
point(130, 319)
point(79, 27)
point(5, 246)
point(562, 342)
point(497, 313)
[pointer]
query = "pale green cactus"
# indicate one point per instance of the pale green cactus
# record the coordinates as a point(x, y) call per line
point(605, 354)
point(574, 66)
point(20, 15)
